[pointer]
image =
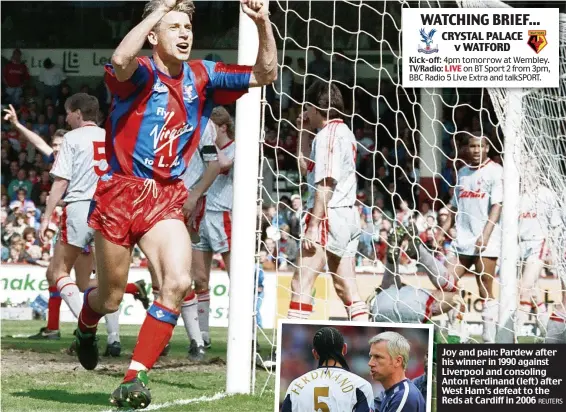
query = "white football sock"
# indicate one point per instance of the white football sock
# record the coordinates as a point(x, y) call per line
point(113, 326)
point(70, 294)
point(189, 312)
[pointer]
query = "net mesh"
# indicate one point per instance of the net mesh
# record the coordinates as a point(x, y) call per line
point(410, 145)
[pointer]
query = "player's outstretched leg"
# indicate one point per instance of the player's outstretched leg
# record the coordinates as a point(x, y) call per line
point(112, 264)
point(139, 291)
point(51, 331)
point(170, 257)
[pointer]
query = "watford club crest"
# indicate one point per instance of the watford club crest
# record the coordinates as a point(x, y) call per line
point(537, 40)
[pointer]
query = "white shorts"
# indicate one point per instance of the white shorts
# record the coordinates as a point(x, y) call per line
point(215, 232)
point(75, 230)
point(467, 247)
point(535, 247)
point(340, 233)
point(405, 305)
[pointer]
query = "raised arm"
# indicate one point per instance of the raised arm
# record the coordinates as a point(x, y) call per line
point(33, 138)
point(264, 71)
point(124, 59)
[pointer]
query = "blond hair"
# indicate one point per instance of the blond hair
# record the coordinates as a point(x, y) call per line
point(397, 345)
point(221, 117)
point(183, 6)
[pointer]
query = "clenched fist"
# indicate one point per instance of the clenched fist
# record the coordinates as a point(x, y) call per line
point(255, 9)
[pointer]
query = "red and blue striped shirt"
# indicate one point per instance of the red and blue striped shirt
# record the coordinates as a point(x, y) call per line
point(155, 122)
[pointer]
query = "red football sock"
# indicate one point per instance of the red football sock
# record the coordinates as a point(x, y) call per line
point(54, 305)
point(155, 334)
point(132, 288)
point(88, 318)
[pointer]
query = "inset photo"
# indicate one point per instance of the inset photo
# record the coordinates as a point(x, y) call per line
point(329, 366)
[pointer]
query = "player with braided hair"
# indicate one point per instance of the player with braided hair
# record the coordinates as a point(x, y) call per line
point(330, 387)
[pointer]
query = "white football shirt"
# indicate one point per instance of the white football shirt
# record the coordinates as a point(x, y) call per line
point(206, 152)
point(220, 194)
point(81, 161)
point(329, 389)
point(334, 155)
point(476, 191)
point(539, 212)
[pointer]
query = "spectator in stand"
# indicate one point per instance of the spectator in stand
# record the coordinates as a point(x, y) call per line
point(29, 237)
point(22, 201)
point(50, 115)
point(318, 67)
point(273, 254)
point(284, 86)
point(15, 76)
point(20, 223)
point(51, 76)
point(294, 216)
point(33, 216)
point(63, 96)
point(380, 245)
point(365, 246)
point(266, 263)
point(288, 248)
point(16, 254)
point(41, 127)
point(8, 232)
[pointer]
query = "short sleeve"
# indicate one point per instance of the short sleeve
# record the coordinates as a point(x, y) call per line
point(225, 83)
point(364, 398)
point(63, 166)
point(228, 76)
point(229, 151)
point(327, 159)
point(497, 186)
point(287, 405)
point(134, 85)
point(207, 146)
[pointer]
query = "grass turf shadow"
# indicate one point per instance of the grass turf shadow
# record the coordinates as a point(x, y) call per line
point(63, 396)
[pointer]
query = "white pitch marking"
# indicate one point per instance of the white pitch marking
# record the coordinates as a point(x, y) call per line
point(178, 402)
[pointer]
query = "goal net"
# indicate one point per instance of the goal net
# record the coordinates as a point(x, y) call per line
point(410, 145)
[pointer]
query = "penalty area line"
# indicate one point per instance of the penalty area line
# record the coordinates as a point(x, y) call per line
point(179, 402)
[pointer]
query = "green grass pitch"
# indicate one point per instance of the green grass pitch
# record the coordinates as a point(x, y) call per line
point(41, 376)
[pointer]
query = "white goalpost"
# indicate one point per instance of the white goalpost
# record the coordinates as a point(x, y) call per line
point(242, 254)
point(409, 150)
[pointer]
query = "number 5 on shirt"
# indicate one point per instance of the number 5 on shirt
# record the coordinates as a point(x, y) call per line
point(99, 157)
point(319, 405)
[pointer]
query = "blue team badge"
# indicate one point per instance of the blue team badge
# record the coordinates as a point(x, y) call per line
point(106, 177)
point(188, 93)
point(160, 87)
point(427, 40)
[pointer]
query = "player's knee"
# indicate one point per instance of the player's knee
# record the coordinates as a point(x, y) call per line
point(50, 275)
point(201, 284)
point(302, 283)
point(112, 302)
point(175, 285)
point(82, 284)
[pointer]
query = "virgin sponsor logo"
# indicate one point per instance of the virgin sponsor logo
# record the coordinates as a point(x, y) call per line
point(164, 138)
